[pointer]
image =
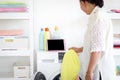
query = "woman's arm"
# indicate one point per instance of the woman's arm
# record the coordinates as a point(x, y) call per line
point(98, 46)
point(94, 58)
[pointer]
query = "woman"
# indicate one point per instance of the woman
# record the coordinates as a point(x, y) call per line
point(97, 56)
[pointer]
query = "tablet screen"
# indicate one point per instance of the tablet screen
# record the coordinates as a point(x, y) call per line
point(55, 44)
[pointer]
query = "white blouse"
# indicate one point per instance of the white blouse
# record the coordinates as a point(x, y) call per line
point(99, 37)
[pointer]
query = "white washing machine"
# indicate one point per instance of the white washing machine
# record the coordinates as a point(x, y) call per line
point(49, 64)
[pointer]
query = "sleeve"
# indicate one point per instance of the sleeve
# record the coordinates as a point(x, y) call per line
point(98, 34)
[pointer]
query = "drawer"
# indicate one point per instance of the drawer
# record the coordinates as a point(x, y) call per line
point(47, 57)
point(14, 43)
point(21, 71)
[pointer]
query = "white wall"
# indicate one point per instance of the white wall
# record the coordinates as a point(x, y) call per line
point(66, 14)
point(112, 4)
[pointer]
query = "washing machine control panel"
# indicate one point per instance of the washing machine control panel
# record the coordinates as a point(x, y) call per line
point(50, 57)
point(60, 56)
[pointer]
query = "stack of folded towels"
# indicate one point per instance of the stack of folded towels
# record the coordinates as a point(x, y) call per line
point(13, 7)
point(116, 41)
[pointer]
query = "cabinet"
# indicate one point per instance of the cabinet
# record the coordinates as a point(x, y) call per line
point(16, 39)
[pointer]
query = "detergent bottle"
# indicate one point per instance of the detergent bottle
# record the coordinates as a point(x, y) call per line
point(41, 39)
point(46, 37)
point(56, 33)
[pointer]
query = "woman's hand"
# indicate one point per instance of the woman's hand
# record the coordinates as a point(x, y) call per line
point(77, 50)
point(77, 78)
point(89, 76)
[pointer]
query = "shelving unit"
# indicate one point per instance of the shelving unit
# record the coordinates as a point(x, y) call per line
point(10, 56)
point(116, 22)
point(115, 17)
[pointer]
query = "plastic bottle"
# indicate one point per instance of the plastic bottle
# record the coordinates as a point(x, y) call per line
point(46, 36)
point(41, 39)
point(56, 34)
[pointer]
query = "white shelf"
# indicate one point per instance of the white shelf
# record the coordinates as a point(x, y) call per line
point(13, 79)
point(16, 53)
point(114, 15)
point(8, 76)
point(14, 15)
point(116, 51)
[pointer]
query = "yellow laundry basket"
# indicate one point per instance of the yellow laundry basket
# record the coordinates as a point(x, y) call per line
point(70, 66)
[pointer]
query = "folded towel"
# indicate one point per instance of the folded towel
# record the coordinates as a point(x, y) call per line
point(13, 9)
point(13, 6)
point(13, 32)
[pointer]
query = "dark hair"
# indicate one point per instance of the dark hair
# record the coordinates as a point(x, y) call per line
point(99, 3)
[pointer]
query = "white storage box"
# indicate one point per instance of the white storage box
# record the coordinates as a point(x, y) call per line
point(11, 43)
point(21, 71)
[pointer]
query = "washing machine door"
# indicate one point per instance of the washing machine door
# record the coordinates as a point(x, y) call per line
point(57, 77)
point(39, 76)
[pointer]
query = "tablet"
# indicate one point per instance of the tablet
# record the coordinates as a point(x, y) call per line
point(55, 45)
